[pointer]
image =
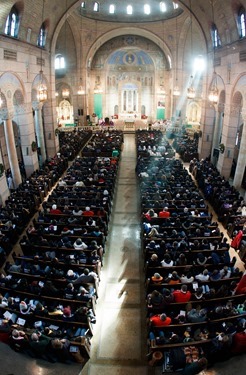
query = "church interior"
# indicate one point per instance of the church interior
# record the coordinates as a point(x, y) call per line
point(122, 187)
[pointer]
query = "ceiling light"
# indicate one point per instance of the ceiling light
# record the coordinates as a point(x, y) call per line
point(65, 93)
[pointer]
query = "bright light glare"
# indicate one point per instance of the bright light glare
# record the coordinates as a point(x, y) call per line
point(199, 63)
point(129, 9)
point(111, 9)
point(163, 7)
point(146, 9)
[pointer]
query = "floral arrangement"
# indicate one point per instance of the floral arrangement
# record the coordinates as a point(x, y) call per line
point(103, 123)
point(34, 146)
point(222, 148)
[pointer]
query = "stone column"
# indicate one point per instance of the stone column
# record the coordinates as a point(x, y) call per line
point(207, 128)
point(229, 133)
point(217, 131)
point(11, 149)
point(39, 128)
point(49, 113)
point(241, 161)
point(23, 116)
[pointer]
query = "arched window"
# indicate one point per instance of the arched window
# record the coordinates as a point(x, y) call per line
point(215, 37)
point(60, 62)
point(96, 6)
point(12, 23)
point(42, 36)
point(111, 8)
point(129, 9)
point(241, 23)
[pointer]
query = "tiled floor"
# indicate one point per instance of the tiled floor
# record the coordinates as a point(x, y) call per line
point(119, 342)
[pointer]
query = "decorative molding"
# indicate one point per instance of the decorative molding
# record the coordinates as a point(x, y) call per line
point(231, 111)
point(22, 109)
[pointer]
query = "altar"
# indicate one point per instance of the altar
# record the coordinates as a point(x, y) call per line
point(129, 117)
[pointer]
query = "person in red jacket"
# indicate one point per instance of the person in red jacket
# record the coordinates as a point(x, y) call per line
point(54, 210)
point(160, 320)
point(241, 286)
point(165, 213)
point(182, 295)
point(88, 212)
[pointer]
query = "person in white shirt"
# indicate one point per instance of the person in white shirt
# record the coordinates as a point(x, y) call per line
point(79, 244)
point(225, 273)
point(187, 278)
point(79, 183)
point(167, 261)
point(203, 276)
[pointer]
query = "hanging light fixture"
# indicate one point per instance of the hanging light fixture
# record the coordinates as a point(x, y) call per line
point(162, 88)
point(213, 95)
point(65, 90)
point(80, 91)
point(42, 93)
point(65, 93)
point(191, 93)
point(176, 90)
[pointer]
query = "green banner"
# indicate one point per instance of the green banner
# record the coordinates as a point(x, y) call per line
point(98, 105)
point(160, 114)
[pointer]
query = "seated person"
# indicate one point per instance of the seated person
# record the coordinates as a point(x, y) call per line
point(201, 259)
point(60, 349)
point(196, 315)
point(79, 244)
point(160, 320)
point(165, 213)
point(86, 277)
point(186, 279)
point(69, 291)
point(167, 261)
point(153, 261)
point(39, 343)
point(84, 294)
point(182, 295)
point(173, 278)
point(198, 294)
point(225, 273)
point(203, 276)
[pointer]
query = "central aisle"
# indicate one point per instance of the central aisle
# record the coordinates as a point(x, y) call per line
point(119, 342)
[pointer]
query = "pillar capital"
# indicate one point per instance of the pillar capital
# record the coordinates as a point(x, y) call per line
point(37, 105)
point(221, 107)
point(6, 114)
point(243, 114)
point(232, 110)
point(22, 109)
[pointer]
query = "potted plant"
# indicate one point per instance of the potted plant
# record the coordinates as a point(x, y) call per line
point(34, 146)
point(222, 148)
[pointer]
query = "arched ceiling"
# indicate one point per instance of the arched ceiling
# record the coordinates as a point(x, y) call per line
point(157, 10)
point(129, 51)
